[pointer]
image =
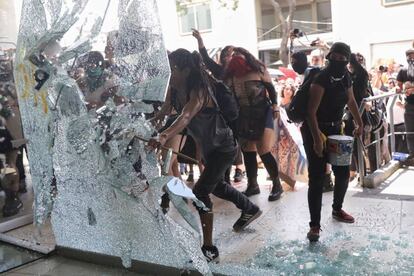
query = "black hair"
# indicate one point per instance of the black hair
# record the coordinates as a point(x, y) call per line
point(95, 57)
point(224, 52)
point(360, 76)
point(253, 62)
point(355, 60)
point(198, 78)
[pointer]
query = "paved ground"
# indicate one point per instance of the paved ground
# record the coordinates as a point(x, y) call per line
point(381, 241)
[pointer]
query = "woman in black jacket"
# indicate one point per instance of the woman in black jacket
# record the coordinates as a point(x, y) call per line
point(218, 71)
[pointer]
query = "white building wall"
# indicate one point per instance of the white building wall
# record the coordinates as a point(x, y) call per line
point(372, 29)
point(229, 27)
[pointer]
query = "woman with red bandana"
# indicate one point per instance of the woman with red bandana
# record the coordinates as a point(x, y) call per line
point(258, 108)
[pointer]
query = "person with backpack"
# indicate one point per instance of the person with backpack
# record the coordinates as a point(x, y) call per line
point(257, 98)
point(297, 110)
point(218, 70)
point(193, 96)
point(330, 91)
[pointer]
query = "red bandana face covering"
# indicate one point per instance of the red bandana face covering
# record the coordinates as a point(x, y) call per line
point(238, 67)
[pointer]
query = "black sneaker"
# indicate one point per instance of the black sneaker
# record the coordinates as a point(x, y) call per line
point(12, 206)
point(211, 253)
point(246, 218)
point(276, 192)
point(238, 175)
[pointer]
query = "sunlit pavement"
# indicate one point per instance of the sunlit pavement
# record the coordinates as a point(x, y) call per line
point(380, 241)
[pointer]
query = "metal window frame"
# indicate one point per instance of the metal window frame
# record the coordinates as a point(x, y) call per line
point(193, 6)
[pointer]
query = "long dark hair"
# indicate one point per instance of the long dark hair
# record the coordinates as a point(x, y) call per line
point(224, 52)
point(253, 62)
point(198, 78)
point(360, 76)
point(357, 61)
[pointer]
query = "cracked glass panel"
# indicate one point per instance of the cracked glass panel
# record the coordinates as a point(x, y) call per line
point(87, 74)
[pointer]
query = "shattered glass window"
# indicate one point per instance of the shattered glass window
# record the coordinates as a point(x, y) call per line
point(87, 74)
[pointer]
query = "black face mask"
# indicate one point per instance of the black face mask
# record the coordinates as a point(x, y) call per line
point(337, 68)
point(299, 67)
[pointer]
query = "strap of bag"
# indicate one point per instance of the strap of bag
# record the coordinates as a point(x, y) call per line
point(213, 97)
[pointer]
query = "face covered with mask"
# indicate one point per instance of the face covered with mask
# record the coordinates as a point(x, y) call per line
point(94, 76)
point(338, 58)
point(94, 72)
point(238, 66)
point(337, 68)
point(299, 62)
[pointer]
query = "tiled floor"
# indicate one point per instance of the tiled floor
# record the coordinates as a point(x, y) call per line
point(379, 242)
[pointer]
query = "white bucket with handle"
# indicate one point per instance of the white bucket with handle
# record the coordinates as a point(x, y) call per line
point(340, 150)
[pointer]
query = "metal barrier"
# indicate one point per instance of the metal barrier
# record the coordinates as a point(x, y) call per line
point(377, 141)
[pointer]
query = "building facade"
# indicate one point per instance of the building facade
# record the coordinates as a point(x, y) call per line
point(376, 28)
point(218, 25)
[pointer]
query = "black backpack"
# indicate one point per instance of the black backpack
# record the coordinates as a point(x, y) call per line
point(225, 100)
point(297, 109)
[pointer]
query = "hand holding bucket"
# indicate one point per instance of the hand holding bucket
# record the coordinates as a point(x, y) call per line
point(340, 150)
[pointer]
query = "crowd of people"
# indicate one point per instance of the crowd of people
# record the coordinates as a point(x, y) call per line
point(229, 112)
point(336, 93)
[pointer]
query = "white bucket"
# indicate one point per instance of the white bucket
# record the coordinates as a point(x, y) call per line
point(340, 150)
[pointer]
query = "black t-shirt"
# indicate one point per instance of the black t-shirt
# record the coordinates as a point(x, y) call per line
point(331, 108)
point(403, 77)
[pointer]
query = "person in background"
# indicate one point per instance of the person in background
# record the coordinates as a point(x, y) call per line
point(192, 99)
point(10, 182)
point(218, 70)
point(330, 92)
point(405, 80)
point(257, 98)
point(398, 115)
point(300, 65)
point(317, 58)
point(98, 84)
point(360, 80)
point(286, 94)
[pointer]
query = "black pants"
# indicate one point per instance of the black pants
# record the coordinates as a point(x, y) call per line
point(212, 181)
point(400, 140)
point(316, 171)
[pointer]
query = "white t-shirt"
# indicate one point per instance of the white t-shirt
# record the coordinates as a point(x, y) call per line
point(397, 110)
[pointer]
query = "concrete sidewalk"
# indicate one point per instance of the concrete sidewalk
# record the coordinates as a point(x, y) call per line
point(381, 240)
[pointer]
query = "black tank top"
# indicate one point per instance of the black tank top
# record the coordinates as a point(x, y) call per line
point(208, 128)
